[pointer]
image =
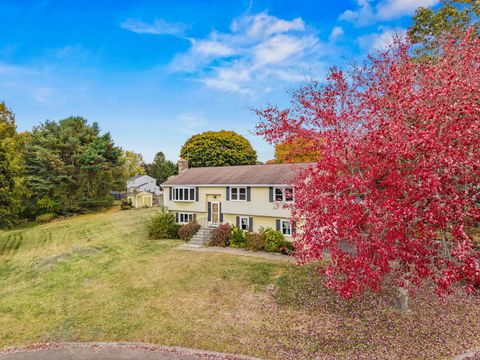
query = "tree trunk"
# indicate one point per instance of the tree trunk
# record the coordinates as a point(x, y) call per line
point(402, 299)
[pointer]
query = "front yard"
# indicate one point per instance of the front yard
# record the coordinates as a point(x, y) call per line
point(97, 278)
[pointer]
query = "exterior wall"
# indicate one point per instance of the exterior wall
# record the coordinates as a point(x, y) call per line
point(258, 221)
point(140, 200)
point(205, 194)
point(147, 183)
point(263, 212)
point(259, 204)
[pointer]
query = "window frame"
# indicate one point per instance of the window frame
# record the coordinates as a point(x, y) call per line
point(241, 225)
point(289, 232)
point(283, 191)
point(184, 193)
point(187, 215)
point(238, 193)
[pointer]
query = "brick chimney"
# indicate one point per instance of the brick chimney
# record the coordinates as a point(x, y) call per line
point(182, 165)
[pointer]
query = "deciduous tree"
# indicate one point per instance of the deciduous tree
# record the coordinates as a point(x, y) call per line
point(397, 185)
point(133, 164)
point(218, 148)
point(452, 17)
point(11, 167)
point(296, 150)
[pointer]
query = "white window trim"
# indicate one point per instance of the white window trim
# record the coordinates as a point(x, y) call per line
point(290, 227)
point(240, 223)
point(187, 215)
point(183, 188)
point(238, 193)
point(282, 189)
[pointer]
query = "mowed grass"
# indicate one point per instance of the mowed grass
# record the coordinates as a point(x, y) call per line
point(97, 278)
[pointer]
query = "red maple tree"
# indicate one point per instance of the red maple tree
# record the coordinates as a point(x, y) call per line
point(397, 186)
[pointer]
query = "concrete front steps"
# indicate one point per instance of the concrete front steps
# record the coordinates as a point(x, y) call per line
point(201, 238)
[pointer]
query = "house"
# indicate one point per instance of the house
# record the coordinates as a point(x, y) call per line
point(141, 183)
point(141, 199)
point(248, 196)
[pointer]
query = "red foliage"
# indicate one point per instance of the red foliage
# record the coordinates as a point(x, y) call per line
point(398, 180)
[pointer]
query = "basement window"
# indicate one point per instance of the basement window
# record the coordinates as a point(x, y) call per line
point(286, 227)
point(185, 218)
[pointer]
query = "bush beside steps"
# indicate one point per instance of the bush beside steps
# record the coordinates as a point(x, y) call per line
point(266, 239)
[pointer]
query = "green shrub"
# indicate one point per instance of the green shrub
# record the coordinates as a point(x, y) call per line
point(221, 236)
point(287, 248)
point(257, 241)
point(47, 206)
point(187, 231)
point(162, 226)
point(239, 238)
point(47, 217)
point(126, 204)
point(274, 240)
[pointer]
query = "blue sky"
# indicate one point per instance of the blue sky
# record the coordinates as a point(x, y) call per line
point(153, 73)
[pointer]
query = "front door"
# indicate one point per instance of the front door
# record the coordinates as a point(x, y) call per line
point(215, 212)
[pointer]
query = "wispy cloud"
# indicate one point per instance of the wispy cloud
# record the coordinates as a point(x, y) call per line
point(259, 48)
point(43, 94)
point(380, 40)
point(336, 33)
point(368, 12)
point(158, 27)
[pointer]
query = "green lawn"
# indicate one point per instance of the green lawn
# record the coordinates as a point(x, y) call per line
point(97, 278)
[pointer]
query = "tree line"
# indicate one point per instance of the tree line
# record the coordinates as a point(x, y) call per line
point(63, 167)
point(70, 166)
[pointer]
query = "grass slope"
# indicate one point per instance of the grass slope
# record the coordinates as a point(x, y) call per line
point(97, 278)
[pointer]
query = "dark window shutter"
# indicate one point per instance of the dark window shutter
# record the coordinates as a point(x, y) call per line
point(294, 228)
point(270, 194)
point(209, 211)
point(170, 192)
point(250, 224)
point(278, 225)
point(221, 213)
point(249, 193)
point(176, 217)
point(228, 193)
point(238, 221)
point(196, 194)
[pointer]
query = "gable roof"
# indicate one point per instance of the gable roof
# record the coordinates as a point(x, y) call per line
point(136, 177)
point(274, 174)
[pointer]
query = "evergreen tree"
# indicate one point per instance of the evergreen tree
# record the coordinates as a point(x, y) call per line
point(71, 167)
point(161, 168)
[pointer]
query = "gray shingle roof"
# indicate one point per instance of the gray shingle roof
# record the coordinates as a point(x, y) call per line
point(274, 174)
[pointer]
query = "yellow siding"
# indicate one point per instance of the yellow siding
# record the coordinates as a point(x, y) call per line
point(258, 206)
point(142, 199)
point(263, 212)
point(258, 221)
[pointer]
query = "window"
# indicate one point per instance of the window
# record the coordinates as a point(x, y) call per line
point(184, 218)
point(238, 193)
point(244, 223)
point(286, 227)
point(183, 194)
point(283, 194)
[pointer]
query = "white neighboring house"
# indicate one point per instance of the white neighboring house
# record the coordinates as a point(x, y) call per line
point(143, 183)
